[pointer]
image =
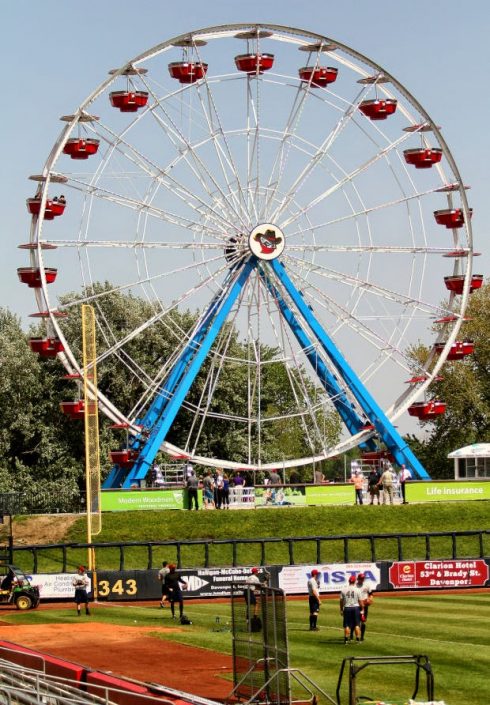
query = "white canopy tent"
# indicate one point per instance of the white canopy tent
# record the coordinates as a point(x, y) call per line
point(472, 462)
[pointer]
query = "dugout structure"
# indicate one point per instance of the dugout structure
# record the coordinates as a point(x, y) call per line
point(260, 645)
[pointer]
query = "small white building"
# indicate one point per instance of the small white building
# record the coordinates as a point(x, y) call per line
point(472, 462)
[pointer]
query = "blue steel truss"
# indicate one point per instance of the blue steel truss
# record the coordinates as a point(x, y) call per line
point(162, 412)
point(385, 429)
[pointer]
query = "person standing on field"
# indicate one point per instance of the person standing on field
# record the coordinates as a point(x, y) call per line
point(162, 574)
point(81, 583)
point(404, 476)
point(386, 482)
point(351, 610)
point(358, 480)
point(192, 484)
point(367, 599)
point(173, 583)
point(314, 598)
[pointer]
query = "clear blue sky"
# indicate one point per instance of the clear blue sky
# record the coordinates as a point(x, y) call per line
point(56, 52)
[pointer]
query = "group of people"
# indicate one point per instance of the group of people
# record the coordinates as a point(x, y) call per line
point(355, 599)
point(215, 488)
point(381, 484)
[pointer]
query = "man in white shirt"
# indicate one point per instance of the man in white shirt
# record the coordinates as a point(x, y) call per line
point(404, 476)
point(314, 598)
point(351, 609)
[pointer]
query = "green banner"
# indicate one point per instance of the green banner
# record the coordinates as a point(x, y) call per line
point(447, 491)
point(330, 494)
point(129, 500)
point(279, 496)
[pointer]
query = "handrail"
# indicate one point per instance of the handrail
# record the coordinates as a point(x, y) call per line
point(347, 540)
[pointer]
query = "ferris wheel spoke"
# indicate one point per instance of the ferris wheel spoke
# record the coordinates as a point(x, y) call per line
point(140, 206)
point(91, 297)
point(300, 384)
point(166, 178)
point(384, 345)
point(321, 152)
point(135, 245)
point(368, 287)
point(223, 152)
point(348, 178)
point(197, 165)
point(406, 199)
point(279, 164)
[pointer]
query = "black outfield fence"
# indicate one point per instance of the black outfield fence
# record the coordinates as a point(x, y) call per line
point(204, 553)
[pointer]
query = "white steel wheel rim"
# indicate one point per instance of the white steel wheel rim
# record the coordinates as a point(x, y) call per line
point(173, 183)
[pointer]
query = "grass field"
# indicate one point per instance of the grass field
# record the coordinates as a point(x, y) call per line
point(452, 630)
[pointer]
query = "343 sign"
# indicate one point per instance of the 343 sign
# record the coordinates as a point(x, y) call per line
point(128, 585)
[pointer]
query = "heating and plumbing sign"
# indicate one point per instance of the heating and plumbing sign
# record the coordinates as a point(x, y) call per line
point(438, 574)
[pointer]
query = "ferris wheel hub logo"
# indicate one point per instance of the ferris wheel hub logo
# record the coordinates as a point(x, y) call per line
point(266, 241)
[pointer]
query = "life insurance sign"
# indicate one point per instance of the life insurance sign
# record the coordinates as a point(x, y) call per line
point(333, 577)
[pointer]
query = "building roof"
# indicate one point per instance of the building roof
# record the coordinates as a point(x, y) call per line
point(477, 450)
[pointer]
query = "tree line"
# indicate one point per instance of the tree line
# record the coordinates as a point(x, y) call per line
point(43, 450)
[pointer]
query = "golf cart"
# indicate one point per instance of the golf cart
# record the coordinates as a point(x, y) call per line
point(16, 589)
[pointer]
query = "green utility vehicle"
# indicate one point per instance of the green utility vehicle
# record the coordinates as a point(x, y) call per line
point(16, 589)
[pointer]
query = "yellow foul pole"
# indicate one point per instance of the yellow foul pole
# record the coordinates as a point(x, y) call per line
point(92, 453)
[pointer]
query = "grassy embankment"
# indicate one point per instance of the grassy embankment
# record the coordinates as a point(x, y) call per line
point(281, 523)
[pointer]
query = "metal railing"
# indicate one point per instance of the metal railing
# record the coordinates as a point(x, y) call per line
point(438, 545)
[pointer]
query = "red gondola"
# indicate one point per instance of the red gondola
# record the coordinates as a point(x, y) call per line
point(451, 217)
point(46, 347)
point(187, 71)
point(53, 207)
point(47, 314)
point(427, 410)
point(455, 283)
point(378, 109)
point(32, 276)
point(124, 458)
point(129, 101)
point(423, 157)
point(319, 76)
point(78, 148)
point(74, 409)
point(254, 63)
point(459, 349)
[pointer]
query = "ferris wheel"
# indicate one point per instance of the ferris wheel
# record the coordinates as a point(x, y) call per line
point(293, 221)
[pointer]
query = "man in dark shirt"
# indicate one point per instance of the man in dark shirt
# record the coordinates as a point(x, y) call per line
point(192, 485)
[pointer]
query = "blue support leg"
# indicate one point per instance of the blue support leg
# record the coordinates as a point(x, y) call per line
point(353, 422)
point(387, 432)
point(162, 425)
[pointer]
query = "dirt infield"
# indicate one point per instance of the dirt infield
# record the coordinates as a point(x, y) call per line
point(134, 652)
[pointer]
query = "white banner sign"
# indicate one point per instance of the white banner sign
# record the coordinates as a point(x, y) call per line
point(59, 585)
point(293, 579)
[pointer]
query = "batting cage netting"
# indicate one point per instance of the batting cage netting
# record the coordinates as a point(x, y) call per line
point(260, 645)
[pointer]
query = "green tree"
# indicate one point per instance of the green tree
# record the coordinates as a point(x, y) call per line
point(465, 387)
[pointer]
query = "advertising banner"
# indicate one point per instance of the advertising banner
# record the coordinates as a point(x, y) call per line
point(333, 577)
point(54, 586)
point(280, 496)
point(329, 494)
point(447, 491)
point(144, 584)
point(124, 500)
point(438, 574)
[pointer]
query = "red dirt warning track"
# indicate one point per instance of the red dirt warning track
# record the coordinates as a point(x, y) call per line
point(132, 652)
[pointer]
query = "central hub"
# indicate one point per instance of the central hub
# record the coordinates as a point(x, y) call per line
point(266, 241)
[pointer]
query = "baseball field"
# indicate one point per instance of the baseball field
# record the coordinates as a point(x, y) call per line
point(143, 642)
